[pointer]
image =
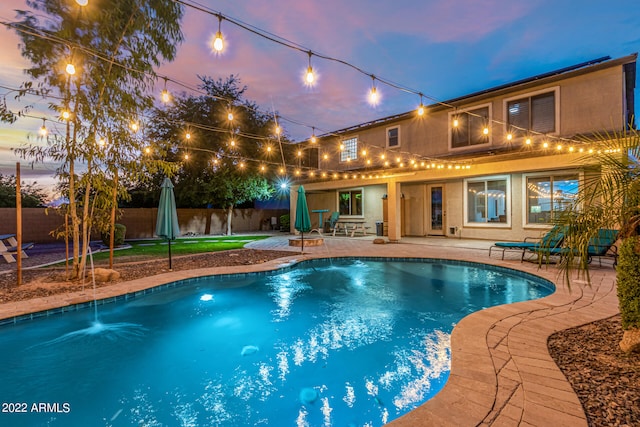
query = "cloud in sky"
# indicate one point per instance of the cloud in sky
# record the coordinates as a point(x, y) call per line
point(445, 49)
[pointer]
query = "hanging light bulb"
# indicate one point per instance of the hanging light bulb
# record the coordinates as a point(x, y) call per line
point(147, 150)
point(82, 2)
point(373, 92)
point(230, 116)
point(310, 77)
point(43, 130)
point(509, 137)
point(269, 149)
point(232, 142)
point(456, 122)
point(70, 69)
point(134, 126)
point(485, 130)
point(187, 136)
point(313, 136)
point(66, 115)
point(421, 109)
point(102, 142)
point(528, 141)
point(186, 157)
point(218, 44)
point(164, 95)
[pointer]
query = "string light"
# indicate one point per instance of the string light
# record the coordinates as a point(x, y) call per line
point(313, 136)
point(66, 115)
point(164, 95)
point(218, 43)
point(421, 107)
point(70, 69)
point(230, 116)
point(147, 150)
point(485, 130)
point(134, 126)
point(310, 76)
point(43, 130)
point(187, 136)
point(455, 122)
point(101, 142)
point(82, 2)
point(373, 92)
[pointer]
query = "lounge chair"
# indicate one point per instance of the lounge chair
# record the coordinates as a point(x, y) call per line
point(552, 239)
point(600, 246)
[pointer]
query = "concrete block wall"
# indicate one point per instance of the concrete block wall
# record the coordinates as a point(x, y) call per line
point(37, 223)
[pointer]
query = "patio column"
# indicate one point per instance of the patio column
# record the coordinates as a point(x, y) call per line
point(393, 205)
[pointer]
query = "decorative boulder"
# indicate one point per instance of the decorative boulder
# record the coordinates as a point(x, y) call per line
point(379, 241)
point(630, 341)
point(105, 275)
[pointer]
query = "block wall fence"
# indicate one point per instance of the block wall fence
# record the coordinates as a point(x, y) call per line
point(37, 223)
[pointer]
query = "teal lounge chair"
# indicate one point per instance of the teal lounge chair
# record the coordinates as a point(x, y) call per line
point(600, 246)
point(552, 239)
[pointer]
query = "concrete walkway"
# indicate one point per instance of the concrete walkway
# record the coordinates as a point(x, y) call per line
point(501, 371)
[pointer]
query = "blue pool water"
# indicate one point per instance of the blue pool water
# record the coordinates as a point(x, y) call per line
point(342, 342)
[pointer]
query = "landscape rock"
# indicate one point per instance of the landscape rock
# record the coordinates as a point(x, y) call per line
point(105, 275)
point(379, 241)
point(630, 342)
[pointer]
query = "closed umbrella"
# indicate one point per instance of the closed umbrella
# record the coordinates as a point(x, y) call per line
point(167, 222)
point(303, 221)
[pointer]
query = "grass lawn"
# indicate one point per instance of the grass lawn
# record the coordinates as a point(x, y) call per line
point(157, 248)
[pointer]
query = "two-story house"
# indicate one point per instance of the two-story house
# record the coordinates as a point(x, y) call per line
point(495, 164)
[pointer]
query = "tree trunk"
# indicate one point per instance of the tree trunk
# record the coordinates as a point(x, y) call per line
point(112, 225)
point(628, 278)
point(229, 216)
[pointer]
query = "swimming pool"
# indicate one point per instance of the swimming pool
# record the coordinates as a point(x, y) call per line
point(325, 342)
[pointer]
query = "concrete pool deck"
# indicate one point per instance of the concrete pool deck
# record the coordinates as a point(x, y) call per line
point(501, 370)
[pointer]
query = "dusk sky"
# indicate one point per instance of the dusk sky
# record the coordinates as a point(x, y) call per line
point(443, 49)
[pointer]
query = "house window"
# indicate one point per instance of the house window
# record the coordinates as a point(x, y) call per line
point(393, 137)
point(549, 195)
point(350, 202)
point(487, 200)
point(532, 114)
point(349, 149)
point(467, 128)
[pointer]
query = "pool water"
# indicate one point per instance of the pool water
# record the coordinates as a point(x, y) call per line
point(340, 342)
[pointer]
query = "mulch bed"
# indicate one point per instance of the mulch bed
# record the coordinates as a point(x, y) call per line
point(606, 380)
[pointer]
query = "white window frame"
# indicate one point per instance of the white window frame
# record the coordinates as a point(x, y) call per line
point(387, 137)
point(350, 190)
point(525, 201)
point(344, 154)
point(460, 111)
point(507, 203)
point(505, 103)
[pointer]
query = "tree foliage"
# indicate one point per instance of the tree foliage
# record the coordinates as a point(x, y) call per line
point(609, 199)
point(32, 195)
point(114, 46)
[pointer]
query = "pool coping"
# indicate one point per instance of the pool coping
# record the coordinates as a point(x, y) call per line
point(501, 370)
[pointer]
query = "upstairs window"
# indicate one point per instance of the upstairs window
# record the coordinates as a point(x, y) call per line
point(467, 128)
point(532, 114)
point(393, 137)
point(349, 149)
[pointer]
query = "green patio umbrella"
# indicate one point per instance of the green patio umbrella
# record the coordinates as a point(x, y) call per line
point(303, 221)
point(167, 222)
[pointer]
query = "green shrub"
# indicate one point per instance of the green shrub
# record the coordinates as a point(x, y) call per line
point(118, 239)
point(285, 221)
point(628, 274)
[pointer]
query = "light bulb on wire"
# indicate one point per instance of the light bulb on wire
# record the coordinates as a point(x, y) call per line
point(82, 2)
point(164, 95)
point(43, 130)
point(70, 69)
point(218, 43)
point(421, 107)
point(310, 77)
point(374, 98)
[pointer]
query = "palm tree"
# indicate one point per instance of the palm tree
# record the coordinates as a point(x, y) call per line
point(609, 199)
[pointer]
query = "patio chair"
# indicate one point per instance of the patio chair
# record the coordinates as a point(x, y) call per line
point(333, 221)
point(552, 239)
point(600, 246)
